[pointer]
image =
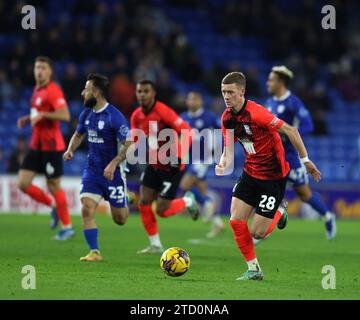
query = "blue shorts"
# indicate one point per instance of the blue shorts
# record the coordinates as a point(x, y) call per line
point(297, 175)
point(198, 170)
point(97, 187)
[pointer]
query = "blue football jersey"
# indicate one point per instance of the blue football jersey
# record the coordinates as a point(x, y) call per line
point(106, 129)
point(292, 110)
point(201, 119)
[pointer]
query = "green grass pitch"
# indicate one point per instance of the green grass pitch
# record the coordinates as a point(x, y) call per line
point(291, 259)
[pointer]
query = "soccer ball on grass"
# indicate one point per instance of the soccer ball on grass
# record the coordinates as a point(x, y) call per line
point(175, 262)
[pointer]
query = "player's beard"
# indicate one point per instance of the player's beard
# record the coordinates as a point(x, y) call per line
point(90, 103)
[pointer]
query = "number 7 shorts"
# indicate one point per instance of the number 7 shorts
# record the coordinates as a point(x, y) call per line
point(164, 182)
point(98, 187)
point(264, 195)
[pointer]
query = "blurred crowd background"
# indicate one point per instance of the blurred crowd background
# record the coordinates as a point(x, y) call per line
point(185, 45)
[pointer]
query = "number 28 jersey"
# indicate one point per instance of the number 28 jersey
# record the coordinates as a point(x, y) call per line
point(256, 129)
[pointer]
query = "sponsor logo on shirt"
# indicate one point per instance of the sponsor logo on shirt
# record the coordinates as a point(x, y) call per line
point(248, 146)
point(93, 137)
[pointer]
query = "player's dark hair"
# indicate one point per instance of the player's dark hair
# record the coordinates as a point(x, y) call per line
point(145, 81)
point(99, 81)
point(197, 93)
point(235, 77)
point(283, 77)
point(47, 60)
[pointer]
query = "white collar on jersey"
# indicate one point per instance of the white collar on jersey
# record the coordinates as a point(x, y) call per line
point(197, 113)
point(283, 97)
point(101, 109)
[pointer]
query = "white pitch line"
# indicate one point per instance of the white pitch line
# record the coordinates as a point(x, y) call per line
point(207, 242)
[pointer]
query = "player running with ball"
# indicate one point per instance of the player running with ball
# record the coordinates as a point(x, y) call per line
point(104, 173)
point(262, 184)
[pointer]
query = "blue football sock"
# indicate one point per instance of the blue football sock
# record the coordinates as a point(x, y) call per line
point(317, 204)
point(200, 198)
point(91, 236)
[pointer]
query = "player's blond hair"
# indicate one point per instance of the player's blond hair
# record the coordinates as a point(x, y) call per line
point(284, 73)
point(283, 70)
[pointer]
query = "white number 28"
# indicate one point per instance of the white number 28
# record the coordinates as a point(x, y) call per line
point(267, 202)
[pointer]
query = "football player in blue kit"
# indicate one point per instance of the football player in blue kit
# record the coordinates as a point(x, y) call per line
point(288, 107)
point(195, 177)
point(104, 174)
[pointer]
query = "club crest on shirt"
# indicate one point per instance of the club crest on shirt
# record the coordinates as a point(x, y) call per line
point(280, 108)
point(247, 129)
point(101, 125)
point(199, 123)
point(38, 101)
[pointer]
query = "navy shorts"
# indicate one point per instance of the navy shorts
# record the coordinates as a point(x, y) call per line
point(198, 170)
point(98, 187)
point(298, 175)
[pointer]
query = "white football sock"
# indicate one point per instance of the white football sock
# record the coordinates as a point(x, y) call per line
point(217, 222)
point(208, 209)
point(328, 216)
point(188, 201)
point(155, 240)
point(253, 265)
point(256, 241)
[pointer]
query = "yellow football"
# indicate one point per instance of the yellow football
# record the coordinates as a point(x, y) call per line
point(175, 262)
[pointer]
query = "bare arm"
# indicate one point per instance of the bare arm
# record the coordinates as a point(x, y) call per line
point(74, 143)
point(22, 121)
point(294, 137)
point(122, 154)
point(111, 167)
point(293, 134)
point(226, 162)
point(61, 114)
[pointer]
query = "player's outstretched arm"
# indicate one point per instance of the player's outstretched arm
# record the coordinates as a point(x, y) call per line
point(74, 143)
point(22, 121)
point(293, 134)
point(62, 114)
